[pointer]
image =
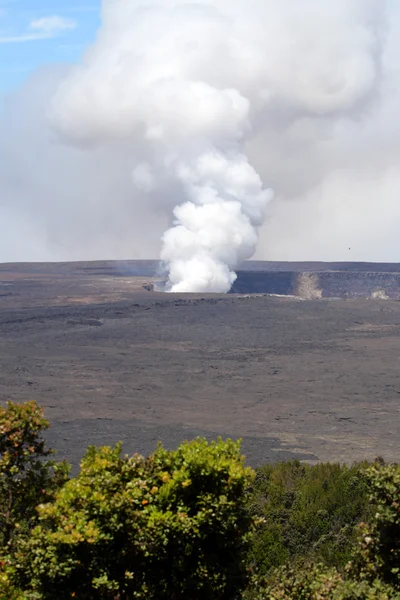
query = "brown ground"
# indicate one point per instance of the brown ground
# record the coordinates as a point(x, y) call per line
point(108, 361)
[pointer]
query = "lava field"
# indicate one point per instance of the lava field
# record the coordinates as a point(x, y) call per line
point(312, 375)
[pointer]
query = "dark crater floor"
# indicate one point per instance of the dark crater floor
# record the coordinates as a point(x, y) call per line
point(321, 280)
point(313, 378)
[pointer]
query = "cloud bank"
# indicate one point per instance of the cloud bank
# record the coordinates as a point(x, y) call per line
point(206, 132)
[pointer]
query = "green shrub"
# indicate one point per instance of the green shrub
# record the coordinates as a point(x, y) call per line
point(308, 512)
point(373, 572)
point(172, 526)
point(318, 583)
point(8, 589)
point(26, 476)
point(379, 550)
point(180, 525)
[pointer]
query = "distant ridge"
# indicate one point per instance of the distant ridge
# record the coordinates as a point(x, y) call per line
point(150, 268)
point(318, 267)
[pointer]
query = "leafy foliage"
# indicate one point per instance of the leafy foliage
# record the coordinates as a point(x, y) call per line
point(373, 572)
point(26, 477)
point(181, 524)
point(318, 583)
point(309, 512)
point(172, 526)
point(379, 551)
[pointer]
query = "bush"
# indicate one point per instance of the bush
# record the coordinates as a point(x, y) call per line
point(318, 583)
point(172, 526)
point(308, 512)
point(26, 477)
point(8, 590)
point(379, 550)
point(180, 525)
point(374, 571)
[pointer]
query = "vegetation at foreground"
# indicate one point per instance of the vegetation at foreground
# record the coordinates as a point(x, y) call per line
point(192, 523)
point(171, 526)
point(27, 476)
point(308, 513)
point(373, 573)
point(316, 582)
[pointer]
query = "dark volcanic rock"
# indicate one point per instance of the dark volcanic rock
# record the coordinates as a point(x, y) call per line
point(320, 284)
point(314, 379)
point(90, 322)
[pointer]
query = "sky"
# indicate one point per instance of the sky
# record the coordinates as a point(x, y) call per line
point(126, 155)
point(36, 32)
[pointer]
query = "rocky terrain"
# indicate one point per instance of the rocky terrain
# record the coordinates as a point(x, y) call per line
point(108, 360)
point(321, 280)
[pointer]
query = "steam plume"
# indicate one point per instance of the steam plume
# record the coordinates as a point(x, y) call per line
point(183, 115)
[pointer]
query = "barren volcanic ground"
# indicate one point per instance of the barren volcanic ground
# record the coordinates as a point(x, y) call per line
point(109, 361)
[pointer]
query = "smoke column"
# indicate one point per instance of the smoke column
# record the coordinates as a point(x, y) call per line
point(192, 79)
point(184, 116)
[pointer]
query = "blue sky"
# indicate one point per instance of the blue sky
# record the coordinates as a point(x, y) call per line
point(37, 32)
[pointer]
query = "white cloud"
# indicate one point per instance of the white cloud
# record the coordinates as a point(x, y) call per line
point(41, 29)
point(52, 25)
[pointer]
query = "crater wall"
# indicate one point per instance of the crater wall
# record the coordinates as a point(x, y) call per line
point(320, 284)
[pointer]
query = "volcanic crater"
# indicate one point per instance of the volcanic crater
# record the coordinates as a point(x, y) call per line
point(300, 359)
